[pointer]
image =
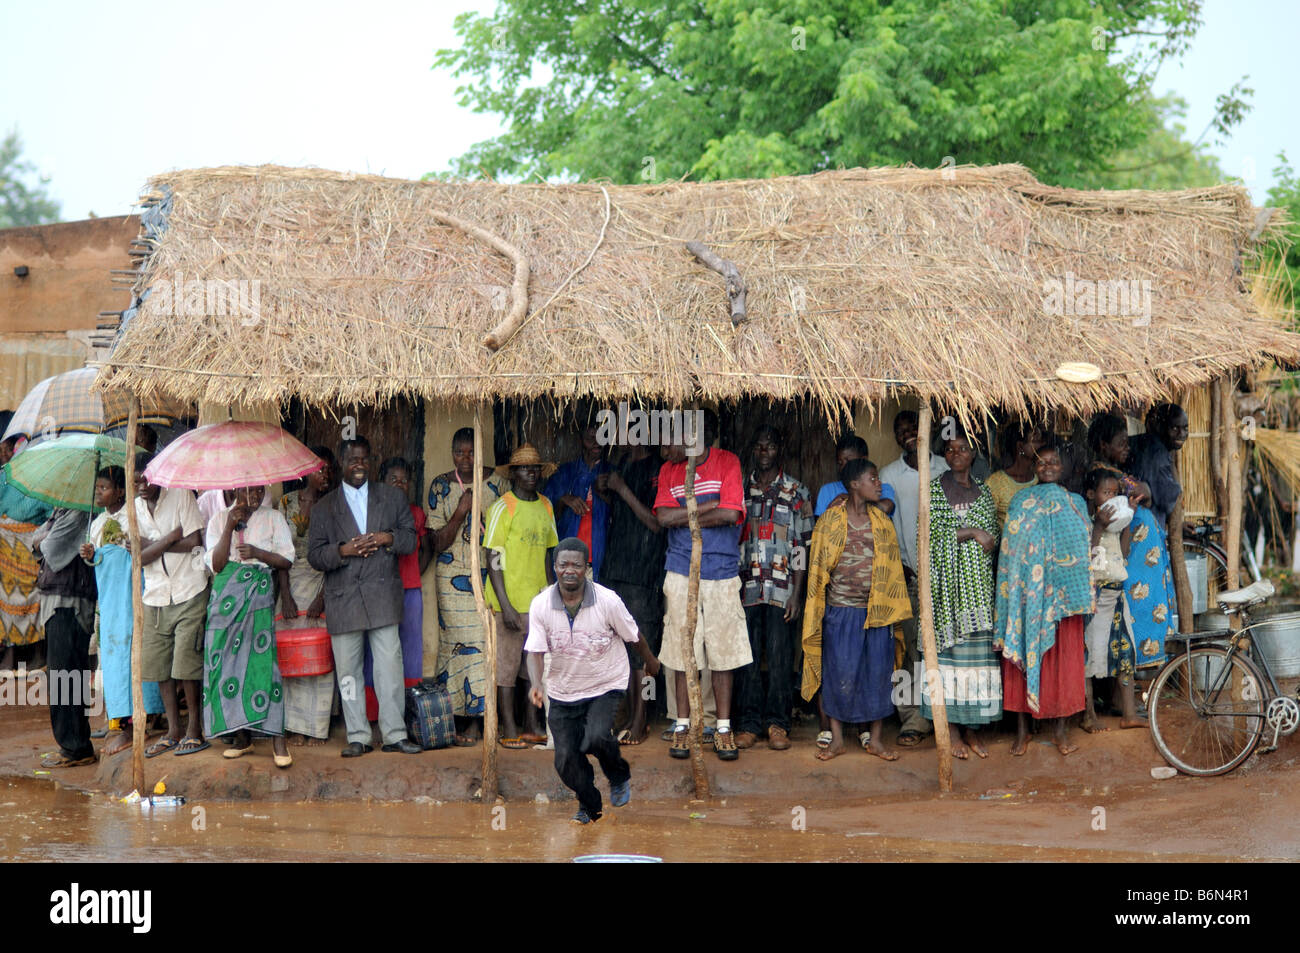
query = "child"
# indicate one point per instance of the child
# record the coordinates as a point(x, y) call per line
point(1108, 635)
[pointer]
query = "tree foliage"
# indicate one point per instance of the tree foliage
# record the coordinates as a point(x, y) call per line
point(647, 90)
point(22, 203)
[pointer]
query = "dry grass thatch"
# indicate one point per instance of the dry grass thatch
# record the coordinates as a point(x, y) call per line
point(859, 282)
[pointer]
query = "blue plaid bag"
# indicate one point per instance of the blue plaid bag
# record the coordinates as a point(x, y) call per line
point(429, 719)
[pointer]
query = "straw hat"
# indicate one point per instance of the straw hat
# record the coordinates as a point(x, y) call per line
point(526, 455)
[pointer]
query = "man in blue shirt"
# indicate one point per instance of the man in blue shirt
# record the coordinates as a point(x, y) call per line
point(578, 495)
point(850, 447)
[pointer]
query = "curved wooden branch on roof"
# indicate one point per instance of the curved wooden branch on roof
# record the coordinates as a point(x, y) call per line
point(736, 289)
point(518, 291)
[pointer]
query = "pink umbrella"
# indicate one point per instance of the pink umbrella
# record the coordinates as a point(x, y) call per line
point(229, 455)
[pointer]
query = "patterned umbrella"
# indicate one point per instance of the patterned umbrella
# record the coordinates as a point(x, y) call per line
point(61, 471)
point(229, 455)
point(66, 403)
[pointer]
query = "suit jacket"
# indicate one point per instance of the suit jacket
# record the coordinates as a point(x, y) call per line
point(360, 593)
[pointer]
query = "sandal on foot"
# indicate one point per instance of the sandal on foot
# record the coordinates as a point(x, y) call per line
point(910, 739)
point(63, 761)
point(864, 738)
point(191, 746)
point(625, 738)
point(514, 743)
point(159, 746)
point(824, 739)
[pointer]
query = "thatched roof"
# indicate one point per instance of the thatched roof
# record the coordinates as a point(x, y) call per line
point(861, 282)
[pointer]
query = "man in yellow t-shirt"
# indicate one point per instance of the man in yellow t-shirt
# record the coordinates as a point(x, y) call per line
point(520, 534)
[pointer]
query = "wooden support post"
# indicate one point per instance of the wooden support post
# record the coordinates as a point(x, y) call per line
point(934, 681)
point(486, 619)
point(1216, 452)
point(1177, 560)
point(687, 645)
point(1232, 462)
point(138, 715)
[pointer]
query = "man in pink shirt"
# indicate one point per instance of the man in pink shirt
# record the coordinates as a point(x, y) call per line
point(582, 626)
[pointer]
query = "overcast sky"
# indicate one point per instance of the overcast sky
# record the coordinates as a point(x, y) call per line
point(106, 95)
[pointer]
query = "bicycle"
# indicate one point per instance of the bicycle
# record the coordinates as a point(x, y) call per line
point(1203, 537)
point(1209, 704)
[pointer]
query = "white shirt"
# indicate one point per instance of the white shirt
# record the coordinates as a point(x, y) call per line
point(172, 578)
point(357, 499)
point(97, 525)
point(267, 529)
point(906, 482)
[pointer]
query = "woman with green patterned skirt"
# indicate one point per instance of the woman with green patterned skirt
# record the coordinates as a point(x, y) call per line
point(963, 537)
point(242, 689)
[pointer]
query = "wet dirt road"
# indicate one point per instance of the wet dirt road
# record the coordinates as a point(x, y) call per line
point(1184, 819)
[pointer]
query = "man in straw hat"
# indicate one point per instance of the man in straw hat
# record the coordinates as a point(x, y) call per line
point(520, 533)
point(721, 636)
point(580, 627)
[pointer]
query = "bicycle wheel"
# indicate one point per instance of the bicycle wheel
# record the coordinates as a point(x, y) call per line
point(1207, 718)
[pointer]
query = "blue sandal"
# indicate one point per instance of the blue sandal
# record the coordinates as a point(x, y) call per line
point(191, 746)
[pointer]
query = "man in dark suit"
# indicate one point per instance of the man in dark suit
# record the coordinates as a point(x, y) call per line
point(357, 532)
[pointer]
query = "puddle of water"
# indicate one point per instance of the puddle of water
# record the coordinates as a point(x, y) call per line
point(45, 822)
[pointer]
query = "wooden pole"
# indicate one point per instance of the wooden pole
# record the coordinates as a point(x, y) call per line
point(138, 715)
point(687, 645)
point(1177, 561)
point(933, 678)
point(1216, 452)
point(1232, 461)
point(486, 618)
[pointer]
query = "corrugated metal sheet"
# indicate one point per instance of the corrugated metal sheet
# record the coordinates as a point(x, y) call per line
point(27, 359)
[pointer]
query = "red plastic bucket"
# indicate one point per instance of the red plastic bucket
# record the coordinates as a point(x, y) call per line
point(303, 652)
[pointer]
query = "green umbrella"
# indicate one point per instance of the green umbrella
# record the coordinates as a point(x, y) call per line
point(62, 471)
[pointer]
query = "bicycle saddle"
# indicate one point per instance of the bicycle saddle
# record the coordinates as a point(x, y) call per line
point(1253, 594)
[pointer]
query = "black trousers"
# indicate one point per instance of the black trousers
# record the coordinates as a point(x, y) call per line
point(586, 728)
point(757, 708)
point(67, 647)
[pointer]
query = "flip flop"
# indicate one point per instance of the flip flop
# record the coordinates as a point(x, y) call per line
point(864, 738)
point(910, 739)
point(188, 746)
point(60, 761)
point(533, 738)
point(99, 733)
point(625, 738)
point(159, 746)
point(824, 739)
point(514, 744)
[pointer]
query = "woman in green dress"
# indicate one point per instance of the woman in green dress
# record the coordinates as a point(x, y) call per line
point(963, 537)
point(242, 688)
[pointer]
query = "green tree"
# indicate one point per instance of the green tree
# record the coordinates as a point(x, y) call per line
point(1282, 258)
point(646, 90)
point(22, 203)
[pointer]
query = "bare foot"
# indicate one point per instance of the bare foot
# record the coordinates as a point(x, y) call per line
point(1065, 747)
point(315, 742)
point(826, 754)
point(973, 741)
point(1133, 723)
point(295, 739)
point(119, 744)
point(1090, 724)
point(881, 752)
point(960, 751)
point(1019, 747)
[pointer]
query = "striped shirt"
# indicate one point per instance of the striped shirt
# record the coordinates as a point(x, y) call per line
point(716, 479)
point(587, 655)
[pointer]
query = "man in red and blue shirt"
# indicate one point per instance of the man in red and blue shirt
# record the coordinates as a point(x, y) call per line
point(721, 637)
